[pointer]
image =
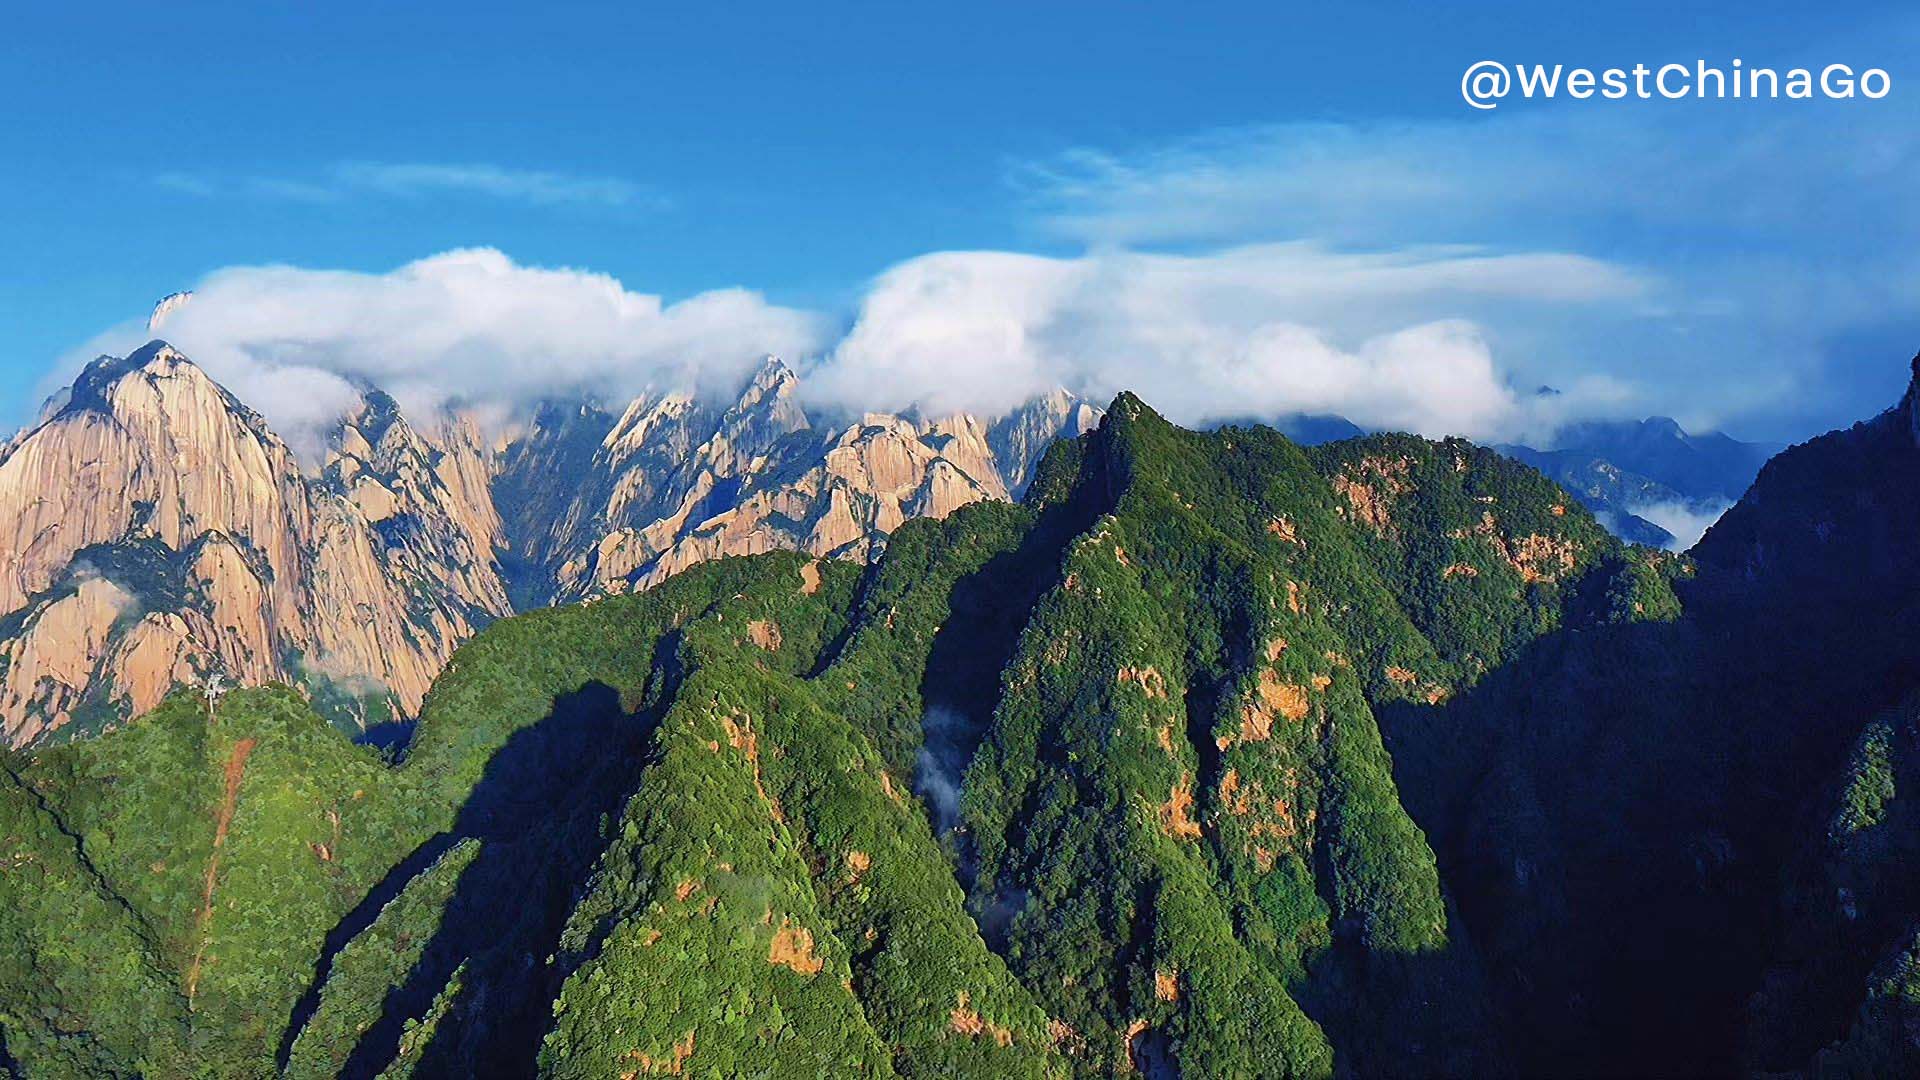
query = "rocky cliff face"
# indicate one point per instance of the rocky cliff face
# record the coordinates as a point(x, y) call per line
point(674, 481)
point(157, 531)
point(154, 531)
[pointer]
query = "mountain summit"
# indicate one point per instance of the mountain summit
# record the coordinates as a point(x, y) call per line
point(159, 532)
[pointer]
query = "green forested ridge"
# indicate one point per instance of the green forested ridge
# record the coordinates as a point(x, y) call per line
point(1219, 757)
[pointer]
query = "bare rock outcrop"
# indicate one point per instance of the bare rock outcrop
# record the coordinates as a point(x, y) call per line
point(154, 530)
point(678, 481)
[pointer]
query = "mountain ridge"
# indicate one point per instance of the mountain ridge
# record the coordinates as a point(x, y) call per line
point(1188, 634)
point(1231, 756)
point(357, 574)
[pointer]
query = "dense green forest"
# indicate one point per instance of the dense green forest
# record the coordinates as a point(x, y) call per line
point(1219, 757)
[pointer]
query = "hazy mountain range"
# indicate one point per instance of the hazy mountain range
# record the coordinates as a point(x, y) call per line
point(1650, 481)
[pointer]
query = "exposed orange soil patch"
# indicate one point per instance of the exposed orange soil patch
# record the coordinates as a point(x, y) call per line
point(1400, 675)
point(685, 889)
point(1234, 796)
point(1176, 814)
point(1460, 569)
point(1274, 697)
point(765, 633)
point(326, 850)
point(236, 771)
point(1282, 527)
point(1149, 680)
point(1285, 698)
point(673, 1064)
point(1371, 487)
point(1367, 505)
point(1294, 603)
point(810, 578)
point(1256, 725)
point(1267, 819)
point(1535, 557)
point(1541, 558)
point(1163, 735)
point(740, 735)
point(965, 1020)
point(1280, 827)
point(858, 863)
point(1166, 984)
point(793, 948)
point(1558, 510)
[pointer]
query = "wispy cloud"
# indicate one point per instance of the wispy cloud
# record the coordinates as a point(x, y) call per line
point(534, 186)
point(186, 184)
point(347, 180)
point(1769, 230)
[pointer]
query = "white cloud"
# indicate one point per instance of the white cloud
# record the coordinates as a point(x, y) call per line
point(1243, 333)
point(406, 180)
point(1687, 522)
point(535, 186)
point(469, 326)
point(1764, 227)
point(1385, 339)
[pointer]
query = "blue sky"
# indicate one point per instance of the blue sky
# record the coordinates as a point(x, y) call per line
point(1761, 254)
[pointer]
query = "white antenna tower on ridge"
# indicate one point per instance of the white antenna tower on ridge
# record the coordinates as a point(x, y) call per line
point(213, 686)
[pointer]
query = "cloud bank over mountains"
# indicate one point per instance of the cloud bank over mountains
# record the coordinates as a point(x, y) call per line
point(1767, 294)
point(470, 327)
point(1238, 333)
point(1250, 332)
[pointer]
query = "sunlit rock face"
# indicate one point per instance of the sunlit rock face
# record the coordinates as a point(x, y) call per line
point(155, 531)
point(676, 480)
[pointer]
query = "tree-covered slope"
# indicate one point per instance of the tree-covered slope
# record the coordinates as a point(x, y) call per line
point(1092, 786)
point(1644, 824)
